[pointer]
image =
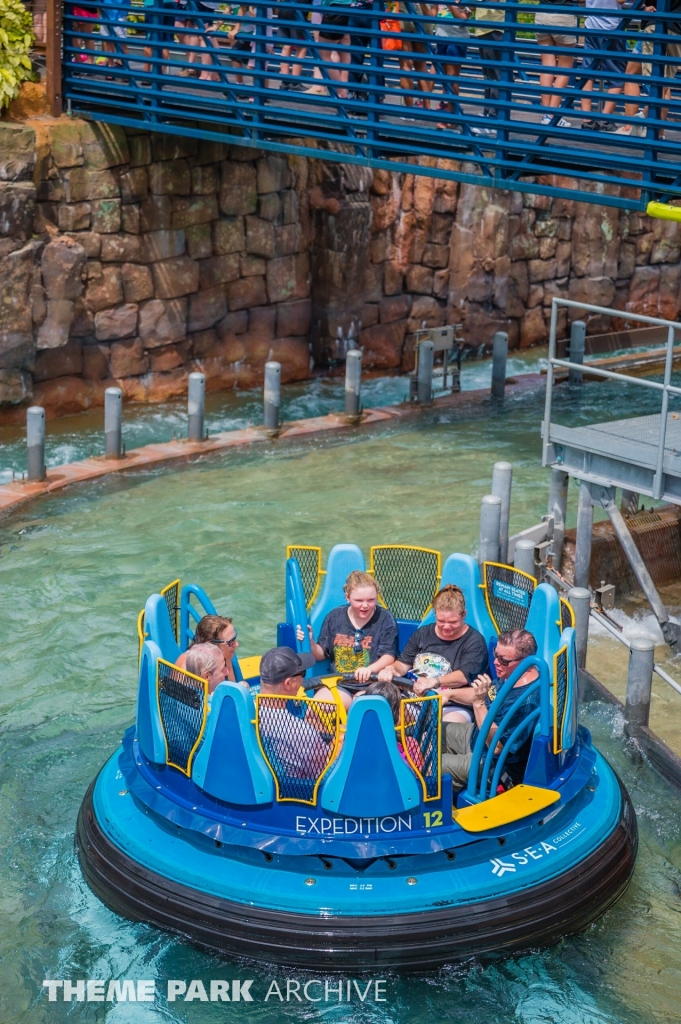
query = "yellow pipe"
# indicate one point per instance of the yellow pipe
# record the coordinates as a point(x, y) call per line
point(663, 211)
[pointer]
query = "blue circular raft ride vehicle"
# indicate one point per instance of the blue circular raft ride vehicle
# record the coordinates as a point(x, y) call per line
point(366, 857)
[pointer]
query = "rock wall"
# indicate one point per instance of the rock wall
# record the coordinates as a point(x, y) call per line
point(133, 258)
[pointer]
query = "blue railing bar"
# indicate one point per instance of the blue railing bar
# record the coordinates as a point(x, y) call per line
point(371, 160)
point(387, 145)
point(490, 718)
point(491, 747)
point(501, 760)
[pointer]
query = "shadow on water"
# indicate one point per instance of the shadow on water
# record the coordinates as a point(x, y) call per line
point(75, 570)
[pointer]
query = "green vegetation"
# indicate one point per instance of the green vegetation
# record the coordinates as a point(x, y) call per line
point(16, 41)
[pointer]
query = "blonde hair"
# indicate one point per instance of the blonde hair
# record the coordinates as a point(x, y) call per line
point(358, 579)
point(450, 599)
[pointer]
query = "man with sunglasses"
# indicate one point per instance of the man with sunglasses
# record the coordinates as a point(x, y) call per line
point(459, 739)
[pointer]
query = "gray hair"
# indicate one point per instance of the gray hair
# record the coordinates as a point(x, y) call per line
point(522, 642)
point(202, 659)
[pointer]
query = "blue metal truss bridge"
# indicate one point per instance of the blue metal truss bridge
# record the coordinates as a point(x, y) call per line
point(502, 95)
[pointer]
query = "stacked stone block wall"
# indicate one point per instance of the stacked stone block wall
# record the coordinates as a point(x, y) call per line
point(133, 258)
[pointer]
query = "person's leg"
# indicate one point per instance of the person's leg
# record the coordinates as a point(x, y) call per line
point(406, 83)
point(565, 63)
point(285, 54)
point(586, 100)
point(456, 758)
point(548, 60)
point(490, 56)
point(299, 52)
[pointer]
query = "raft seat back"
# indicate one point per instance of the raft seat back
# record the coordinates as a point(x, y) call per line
point(343, 559)
point(229, 766)
point(543, 621)
point(149, 730)
point(159, 629)
point(188, 613)
point(463, 572)
point(369, 778)
point(564, 694)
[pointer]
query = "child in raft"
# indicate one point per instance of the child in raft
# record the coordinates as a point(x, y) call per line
point(359, 637)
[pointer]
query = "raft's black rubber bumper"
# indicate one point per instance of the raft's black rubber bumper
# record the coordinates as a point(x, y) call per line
point(538, 916)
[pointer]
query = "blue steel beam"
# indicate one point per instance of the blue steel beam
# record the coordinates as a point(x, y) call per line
point(137, 80)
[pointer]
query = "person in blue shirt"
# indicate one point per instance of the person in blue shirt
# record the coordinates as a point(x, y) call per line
point(459, 738)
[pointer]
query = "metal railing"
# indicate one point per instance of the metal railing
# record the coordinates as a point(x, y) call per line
point(666, 388)
point(388, 89)
point(612, 629)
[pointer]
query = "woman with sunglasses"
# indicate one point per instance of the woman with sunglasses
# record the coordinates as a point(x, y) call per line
point(359, 637)
point(217, 630)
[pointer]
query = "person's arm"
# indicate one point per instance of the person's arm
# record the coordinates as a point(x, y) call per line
point(480, 687)
point(397, 668)
point(385, 647)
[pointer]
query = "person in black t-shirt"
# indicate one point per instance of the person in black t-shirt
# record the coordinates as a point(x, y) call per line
point(447, 656)
point(359, 637)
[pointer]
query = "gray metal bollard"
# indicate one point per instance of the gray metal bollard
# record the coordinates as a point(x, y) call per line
point(35, 442)
point(113, 423)
point(425, 374)
point(196, 400)
point(499, 354)
point(272, 395)
point(585, 520)
point(580, 599)
point(558, 495)
point(639, 684)
point(502, 479)
point(577, 346)
point(490, 516)
point(524, 556)
point(353, 382)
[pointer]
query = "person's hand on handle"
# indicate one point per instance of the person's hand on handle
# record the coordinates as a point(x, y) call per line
point(300, 633)
point(363, 674)
point(386, 674)
point(424, 683)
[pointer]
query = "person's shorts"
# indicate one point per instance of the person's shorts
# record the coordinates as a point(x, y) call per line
point(241, 52)
point(331, 20)
point(290, 26)
point(644, 48)
point(114, 14)
point(453, 48)
point(555, 22)
point(672, 50)
point(605, 65)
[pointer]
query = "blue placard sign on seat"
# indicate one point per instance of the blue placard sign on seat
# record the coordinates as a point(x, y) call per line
point(507, 592)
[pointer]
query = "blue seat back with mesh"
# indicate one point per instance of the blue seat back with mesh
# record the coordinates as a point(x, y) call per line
point(343, 559)
point(149, 729)
point(230, 765)
point(369, 778)
point(158, 627)
point(543, 621)
point(463, 572)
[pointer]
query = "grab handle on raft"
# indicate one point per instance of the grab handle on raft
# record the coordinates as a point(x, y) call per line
point(350, 683)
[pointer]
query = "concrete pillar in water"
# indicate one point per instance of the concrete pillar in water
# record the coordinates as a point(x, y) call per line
point(524, 556)
point(272, 395)
point(580, 599)
point(502, 478)
point(113, 423)
point(499, 354)
point(639, 684)
point(490, 516)
point(35, 442)
point(558, 495)
point(425, 373)
point(585, 519)
point(577, 346)
point(353, 382)
point(195, 406)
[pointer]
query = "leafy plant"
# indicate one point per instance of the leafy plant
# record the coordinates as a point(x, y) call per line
point(16, 41)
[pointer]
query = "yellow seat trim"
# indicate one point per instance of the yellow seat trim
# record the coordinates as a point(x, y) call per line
point(250, 667)
point(514, 804)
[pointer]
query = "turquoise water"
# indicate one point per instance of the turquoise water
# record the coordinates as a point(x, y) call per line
point(75, 570)
point(72, 438)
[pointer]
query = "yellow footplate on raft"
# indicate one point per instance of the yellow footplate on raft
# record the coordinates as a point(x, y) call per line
point(514, 804)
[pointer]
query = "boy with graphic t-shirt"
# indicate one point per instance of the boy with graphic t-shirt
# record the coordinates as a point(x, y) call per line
point(447, 656)
point(359, 637)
